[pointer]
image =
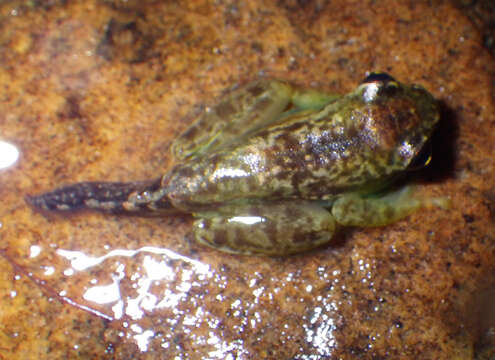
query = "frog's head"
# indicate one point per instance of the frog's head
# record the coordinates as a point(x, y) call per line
point(396, 119)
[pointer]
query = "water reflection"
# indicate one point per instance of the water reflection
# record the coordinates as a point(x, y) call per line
point(9, 154)
point(155, 282)
point(154, 268)
point(162, 300)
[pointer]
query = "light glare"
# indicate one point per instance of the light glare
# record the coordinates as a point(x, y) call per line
point(8, 154)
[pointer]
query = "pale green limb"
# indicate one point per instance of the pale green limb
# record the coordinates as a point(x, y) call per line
point(354, 210)
point(242, 113)
point(309, 99)
point(266, 229)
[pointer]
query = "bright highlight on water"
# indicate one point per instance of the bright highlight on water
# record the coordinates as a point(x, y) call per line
point(8, 154)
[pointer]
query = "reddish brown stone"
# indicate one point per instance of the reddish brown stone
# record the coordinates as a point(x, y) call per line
point(93, 90)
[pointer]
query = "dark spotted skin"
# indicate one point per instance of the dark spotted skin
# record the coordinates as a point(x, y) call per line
point(348, 146)
point(272, 169)
point(272, 229)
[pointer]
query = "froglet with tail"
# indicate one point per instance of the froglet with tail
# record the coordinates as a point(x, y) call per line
point(274, 169)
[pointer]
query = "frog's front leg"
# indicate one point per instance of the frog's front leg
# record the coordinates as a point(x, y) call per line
point(279, 228)
point(355, 210)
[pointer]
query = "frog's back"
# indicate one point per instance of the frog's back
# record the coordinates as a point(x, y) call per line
point(353, 144)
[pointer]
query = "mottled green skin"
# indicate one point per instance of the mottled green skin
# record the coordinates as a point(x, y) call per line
point(273, 169)
point(264, 181)
point(348, 145)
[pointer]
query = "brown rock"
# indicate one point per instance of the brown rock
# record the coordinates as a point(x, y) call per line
point(98, 90)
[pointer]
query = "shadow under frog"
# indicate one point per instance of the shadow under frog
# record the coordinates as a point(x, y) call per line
point(274, 169)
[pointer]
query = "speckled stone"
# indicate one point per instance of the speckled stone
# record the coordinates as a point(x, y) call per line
point(93, 90)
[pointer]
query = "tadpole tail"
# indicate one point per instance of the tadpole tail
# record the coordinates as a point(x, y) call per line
point(109, 197)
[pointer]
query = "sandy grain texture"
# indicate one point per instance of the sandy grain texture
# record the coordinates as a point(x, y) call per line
point(93, 90)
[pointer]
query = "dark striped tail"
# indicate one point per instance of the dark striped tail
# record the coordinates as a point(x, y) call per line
point(111, 197)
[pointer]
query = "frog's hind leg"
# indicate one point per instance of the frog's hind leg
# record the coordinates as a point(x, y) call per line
point(265, 229)
point(239, 113)
point(242, 113)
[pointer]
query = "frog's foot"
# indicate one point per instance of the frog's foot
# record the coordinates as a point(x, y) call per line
point(265, 229)
point(353, 210)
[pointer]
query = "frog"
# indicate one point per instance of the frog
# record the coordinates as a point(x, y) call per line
point(277, 169)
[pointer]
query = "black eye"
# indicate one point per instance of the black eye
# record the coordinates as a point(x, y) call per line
point(422, 159)
point(378, 77)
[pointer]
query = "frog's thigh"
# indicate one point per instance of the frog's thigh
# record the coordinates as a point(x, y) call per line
point(239, 113)
point(352, 210)
point(269, 229)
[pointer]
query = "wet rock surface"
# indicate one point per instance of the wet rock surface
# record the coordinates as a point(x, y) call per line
point(98, 90)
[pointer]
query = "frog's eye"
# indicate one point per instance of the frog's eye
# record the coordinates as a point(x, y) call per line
point(378, 77)
point(422, 159)
point(379, 85)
